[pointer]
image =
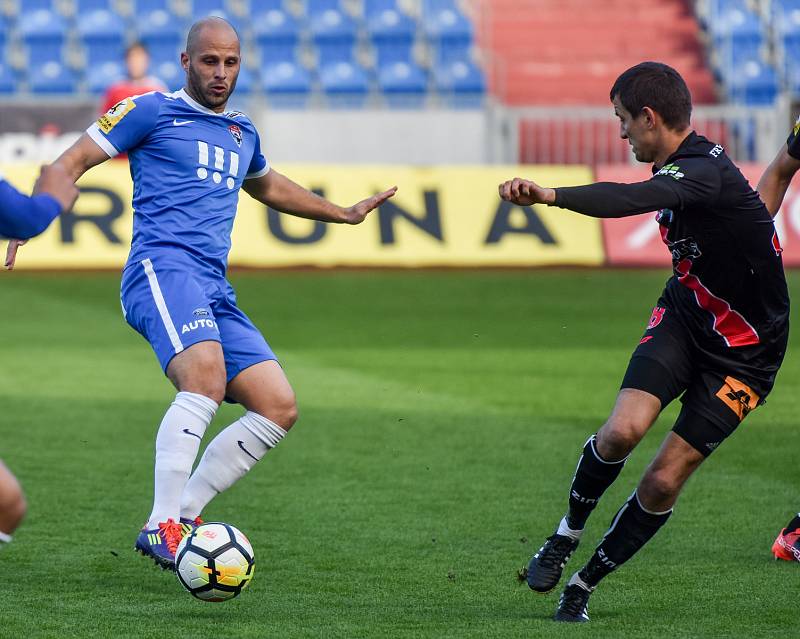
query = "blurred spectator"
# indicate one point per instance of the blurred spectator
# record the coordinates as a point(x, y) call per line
point(137, 61)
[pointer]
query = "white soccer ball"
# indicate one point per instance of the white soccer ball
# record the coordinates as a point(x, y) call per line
point(215, 562)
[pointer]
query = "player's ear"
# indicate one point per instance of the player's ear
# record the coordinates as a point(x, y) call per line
point(185, 61)
point(650, 117)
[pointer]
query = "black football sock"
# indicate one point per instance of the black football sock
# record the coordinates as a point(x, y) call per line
point(632, 528)
point(592, 477)
point(794, 524)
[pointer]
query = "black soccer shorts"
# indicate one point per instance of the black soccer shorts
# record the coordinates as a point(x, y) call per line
point(717, 390)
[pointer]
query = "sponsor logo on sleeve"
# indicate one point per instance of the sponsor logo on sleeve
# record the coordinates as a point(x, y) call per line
point(115, 114)
point(672, 170)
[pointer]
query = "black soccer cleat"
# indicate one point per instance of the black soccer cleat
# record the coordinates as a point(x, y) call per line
point(573, 606)
point(546, 566)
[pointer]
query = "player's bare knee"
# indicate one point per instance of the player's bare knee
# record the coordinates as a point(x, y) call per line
point(286, 413)
point(659, 486)
point(617, 438)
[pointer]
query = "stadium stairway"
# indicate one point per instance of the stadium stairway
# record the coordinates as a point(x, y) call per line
point(571, 51)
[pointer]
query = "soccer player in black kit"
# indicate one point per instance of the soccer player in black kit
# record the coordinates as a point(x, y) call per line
point(772, 187)
point(716, 337)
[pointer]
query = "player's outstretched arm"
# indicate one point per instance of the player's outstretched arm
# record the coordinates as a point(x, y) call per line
point(775, 181)
point(58, 180)
point(282, 194)
point(602, 199)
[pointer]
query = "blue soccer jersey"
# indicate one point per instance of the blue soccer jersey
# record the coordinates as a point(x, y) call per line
point(187, 164)
point(22, 217)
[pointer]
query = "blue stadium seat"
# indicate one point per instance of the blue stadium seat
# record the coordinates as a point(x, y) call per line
point(460, 83)
point(170, 73)
point(43, 32)
point(8, 82)
point(345, 84)
point(334, 33)
point(315, 7)
point(277, 35)
point(430, 7)
point(756, 84)
point(100, 77)
point(403, 84)
point(82, 7)
point(245, 82)
point(374, 7)
point(51, 77)
point(29, 6)
point(287, 84)
point(450, 33)
point(103, 36)
point(203, 8)
point(144, 7)
point(392, 34)
point(161, 32)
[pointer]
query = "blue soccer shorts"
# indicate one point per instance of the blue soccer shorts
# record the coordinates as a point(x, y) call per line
point(173, 308)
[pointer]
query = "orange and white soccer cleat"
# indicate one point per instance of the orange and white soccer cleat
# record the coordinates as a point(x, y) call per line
point(787, 545)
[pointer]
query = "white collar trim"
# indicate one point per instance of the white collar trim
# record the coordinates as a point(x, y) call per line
point(193, 103)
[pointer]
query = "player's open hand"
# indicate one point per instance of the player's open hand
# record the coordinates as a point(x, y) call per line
point(11, 253)
point(358, 212)
point(526, 192)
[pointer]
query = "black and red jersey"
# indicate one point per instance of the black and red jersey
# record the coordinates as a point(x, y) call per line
point(728, 282)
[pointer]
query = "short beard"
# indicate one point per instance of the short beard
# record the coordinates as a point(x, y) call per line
point(210, 102)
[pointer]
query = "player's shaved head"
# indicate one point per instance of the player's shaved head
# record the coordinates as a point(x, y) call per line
point(211, 62)
point(213, 27)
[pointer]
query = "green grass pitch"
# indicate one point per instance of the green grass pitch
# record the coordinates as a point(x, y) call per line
point(441, 416)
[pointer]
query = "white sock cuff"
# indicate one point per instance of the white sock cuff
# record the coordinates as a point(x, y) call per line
point(649, 512)
point(564, 530)
point(576, 580)
point(593, 445)
point(5, 538)
point(267, 431)
point(198, 405)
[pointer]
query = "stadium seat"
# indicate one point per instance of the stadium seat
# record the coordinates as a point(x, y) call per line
point(8, 82)
point(29, 6)
point(460, 83)
point(82, 7)
point(316, 7)
point(345, 84)
point(170, 73)
point(403, 84)
point(374, 7)
point(334, 34)
point(162, 34)
point(287, 84)
point(100, 77)
point(103, 36)
point(450, 33)
point(203, 8)
point(43, 32)
point(143, 7)
point(51, 77)
point(392, 34)
point(245, 82)
point(756, 84)
point(277, 34)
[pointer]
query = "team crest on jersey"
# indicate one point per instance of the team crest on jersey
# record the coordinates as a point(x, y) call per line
point(115, 114)
point(236, 134)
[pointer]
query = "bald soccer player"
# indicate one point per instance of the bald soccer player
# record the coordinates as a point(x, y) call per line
point(189, 157)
